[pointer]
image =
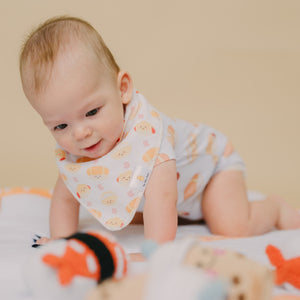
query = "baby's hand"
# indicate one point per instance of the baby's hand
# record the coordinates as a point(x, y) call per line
point(136, 257)
point(39, 241)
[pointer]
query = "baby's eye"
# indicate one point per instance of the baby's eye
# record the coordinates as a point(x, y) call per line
point(92, 112)
point(60, 127)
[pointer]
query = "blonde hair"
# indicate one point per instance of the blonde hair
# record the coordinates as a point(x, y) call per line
point(43, 45)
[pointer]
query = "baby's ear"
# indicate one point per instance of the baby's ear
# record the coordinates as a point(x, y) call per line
point(148, 248)
point(125, 86)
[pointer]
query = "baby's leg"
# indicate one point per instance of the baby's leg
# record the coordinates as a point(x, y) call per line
point(227, 211)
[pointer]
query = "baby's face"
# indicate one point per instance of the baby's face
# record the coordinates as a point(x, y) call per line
point(82, 105)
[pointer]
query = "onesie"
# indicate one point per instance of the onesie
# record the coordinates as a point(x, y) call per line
point(112, 186)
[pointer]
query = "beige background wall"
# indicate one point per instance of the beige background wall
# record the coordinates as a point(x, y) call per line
point(232, 64)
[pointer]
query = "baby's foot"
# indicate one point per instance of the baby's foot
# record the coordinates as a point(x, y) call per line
point(289, 217)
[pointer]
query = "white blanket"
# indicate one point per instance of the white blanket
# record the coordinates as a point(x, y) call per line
point(22, 215)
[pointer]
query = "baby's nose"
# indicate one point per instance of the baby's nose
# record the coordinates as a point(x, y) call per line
point(82, 132)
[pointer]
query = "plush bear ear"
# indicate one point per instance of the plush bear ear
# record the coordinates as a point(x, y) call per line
point(148, 248)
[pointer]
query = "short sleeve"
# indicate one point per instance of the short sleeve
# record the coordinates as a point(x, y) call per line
point(167, 147)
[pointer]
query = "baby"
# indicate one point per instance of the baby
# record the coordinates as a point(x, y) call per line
point(120, 158)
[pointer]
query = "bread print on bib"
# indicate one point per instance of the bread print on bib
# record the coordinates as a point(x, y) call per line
point(108, 198)
point(63, 177)
point(124, 178)
point(122, 152)
point(60, 154)
point(83, 190)
point(114, 223)
point(96, 213)
point(144, 128)
point(97, 172)
point(72, 168)
point(132, 206)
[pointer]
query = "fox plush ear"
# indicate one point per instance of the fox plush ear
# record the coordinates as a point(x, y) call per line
point(287, 267)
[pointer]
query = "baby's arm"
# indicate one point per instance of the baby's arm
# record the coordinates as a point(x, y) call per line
point(160, 211)
point(64, 211)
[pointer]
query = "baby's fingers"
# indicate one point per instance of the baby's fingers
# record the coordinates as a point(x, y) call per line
point(38, 241)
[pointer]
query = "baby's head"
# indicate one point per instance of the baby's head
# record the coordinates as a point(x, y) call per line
point(72, 80)
point(54, 37)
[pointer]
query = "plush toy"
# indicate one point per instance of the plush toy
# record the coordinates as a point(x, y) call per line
point(165, 277)
point(246, 278)
point(69, 268)
point(169, 277)
point(185, 269)
point(286, 263)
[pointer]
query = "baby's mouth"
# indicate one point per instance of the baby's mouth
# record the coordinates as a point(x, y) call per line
point(93, 147)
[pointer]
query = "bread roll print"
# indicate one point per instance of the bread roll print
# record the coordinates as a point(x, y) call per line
point(122, 153)
point(108, 198)
point(96, 213)
point(125, 178)
point(171, 136)
point(192, 148)
point(114, 223)
point(210, 149)
point(154, 114)
point(132, 206)
point(97, 172)
point(191, 188)
point(60, 154)
point(150, 154)
point(161, 157)
point(72, 168)
point(144, 128)
point(83, 190)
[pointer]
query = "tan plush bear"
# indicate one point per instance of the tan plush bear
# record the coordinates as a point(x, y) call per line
point(246, 278)
point(186, 269)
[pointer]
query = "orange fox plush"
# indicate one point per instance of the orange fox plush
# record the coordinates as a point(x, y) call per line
point(68, 268)
point(287, 270)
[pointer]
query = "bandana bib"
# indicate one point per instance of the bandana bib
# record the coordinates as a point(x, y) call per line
point(111, 186)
